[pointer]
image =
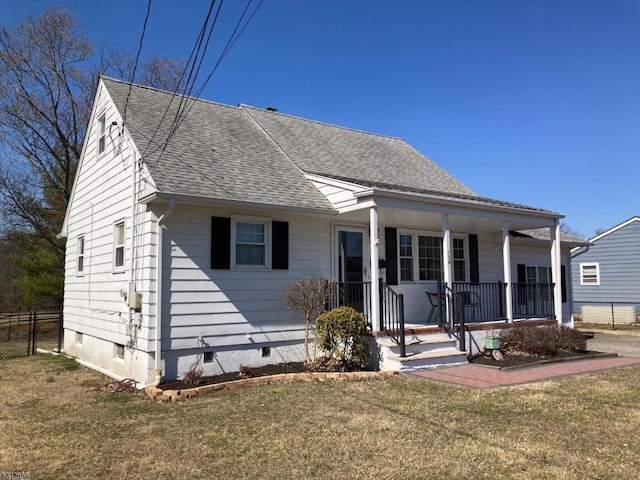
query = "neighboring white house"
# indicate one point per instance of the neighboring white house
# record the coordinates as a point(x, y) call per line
point(180, 251)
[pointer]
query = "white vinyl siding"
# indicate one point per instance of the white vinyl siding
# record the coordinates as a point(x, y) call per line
point(118, 246)
point(589, 274)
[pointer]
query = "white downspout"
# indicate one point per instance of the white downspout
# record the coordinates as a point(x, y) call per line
point(157, 371)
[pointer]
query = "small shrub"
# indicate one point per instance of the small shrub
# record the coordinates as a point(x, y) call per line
point(193, 377)
point(339, 334)
point(245, 371)
point(570, 340)
point(542, 341)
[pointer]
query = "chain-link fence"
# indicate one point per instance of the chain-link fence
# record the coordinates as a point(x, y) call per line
point(22, 333)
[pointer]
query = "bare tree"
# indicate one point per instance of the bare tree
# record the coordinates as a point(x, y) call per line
point(309, 296)
point(48, 76)
point(565, 228)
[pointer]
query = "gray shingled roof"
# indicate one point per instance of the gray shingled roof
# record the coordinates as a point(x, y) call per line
point(254, 155)
point(545, 234)
point(363, 158)
point(217, 152)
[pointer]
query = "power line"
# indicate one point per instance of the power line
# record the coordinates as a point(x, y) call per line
point(190, 61)
point(135, 65)
point(180, 116)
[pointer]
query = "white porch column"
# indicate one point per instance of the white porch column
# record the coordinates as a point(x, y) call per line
point(506, 262)
point(556, 270)
point(375, 272)
point(446, 258)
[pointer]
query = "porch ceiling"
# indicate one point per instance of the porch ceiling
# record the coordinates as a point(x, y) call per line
point(428, 220)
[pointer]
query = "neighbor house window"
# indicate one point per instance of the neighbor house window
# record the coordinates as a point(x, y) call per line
point(589, 274)
point(78, 338)
point(80, 259)
point(251, 243)
point(119, 350)
point(102, 133)
point(429, 261)
point(118, 246)
point(406, 258)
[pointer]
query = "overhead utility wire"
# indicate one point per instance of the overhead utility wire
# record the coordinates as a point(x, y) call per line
point(184, 100)
point(135, 65)
point(190, 61)
point(232, 40)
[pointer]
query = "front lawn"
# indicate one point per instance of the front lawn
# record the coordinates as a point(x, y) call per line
point(55, 422)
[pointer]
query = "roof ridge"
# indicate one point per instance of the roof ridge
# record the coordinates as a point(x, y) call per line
point(327, 124)
point(160, 90)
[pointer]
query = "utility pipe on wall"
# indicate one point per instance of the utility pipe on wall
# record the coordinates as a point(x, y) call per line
point(157, 372)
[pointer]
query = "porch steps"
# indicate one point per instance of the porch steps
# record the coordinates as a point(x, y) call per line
point(426, 350)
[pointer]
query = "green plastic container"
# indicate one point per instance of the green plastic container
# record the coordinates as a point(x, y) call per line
point(491, 342)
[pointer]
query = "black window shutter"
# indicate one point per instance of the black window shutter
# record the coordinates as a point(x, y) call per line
point(220, 243)
point(522, 288)
point(474, 264)
point(391, 254)
point(563, 284)
point(280, 249)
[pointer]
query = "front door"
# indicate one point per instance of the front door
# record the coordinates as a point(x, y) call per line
point(352, 268)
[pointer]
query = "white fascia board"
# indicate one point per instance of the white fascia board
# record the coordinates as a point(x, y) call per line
point(613, 229)
point(195, 200)
point(385, 198)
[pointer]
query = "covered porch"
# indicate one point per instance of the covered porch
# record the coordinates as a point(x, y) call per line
point(408, 260)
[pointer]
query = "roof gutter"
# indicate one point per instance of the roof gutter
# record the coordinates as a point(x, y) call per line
point(206, 201)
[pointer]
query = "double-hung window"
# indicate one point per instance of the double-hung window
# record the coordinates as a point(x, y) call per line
point(251, 243)
point(102, 133)
point(80, 255)
point(118, 246)
point(406, 258)
point(428, 259)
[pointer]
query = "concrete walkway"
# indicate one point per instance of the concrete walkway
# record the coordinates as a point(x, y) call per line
point(478, 376)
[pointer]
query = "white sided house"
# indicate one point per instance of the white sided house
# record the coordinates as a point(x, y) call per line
point(180, 252)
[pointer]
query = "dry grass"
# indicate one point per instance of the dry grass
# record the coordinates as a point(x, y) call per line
point(620, 329)
point(55, 424)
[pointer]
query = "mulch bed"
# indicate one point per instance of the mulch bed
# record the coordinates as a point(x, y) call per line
point(514, 360)
point(320, 365)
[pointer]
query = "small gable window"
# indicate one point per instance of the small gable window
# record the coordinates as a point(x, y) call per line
point(118, 246)
point(102, 133)
point(589, 274)
point(80, 257)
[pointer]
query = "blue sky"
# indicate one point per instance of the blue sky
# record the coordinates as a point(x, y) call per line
point(534, 102)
